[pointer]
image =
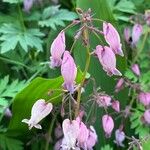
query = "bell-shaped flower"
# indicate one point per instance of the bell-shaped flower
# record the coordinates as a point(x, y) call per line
point(58, 132)
point(112, 38)
point(108, 125)
point(92, 138)
point(120, 137)
point(71, 132)
point(39, 111)
point(103, 100)
point(147, 17)
point(27, 4)
point(127, 35)
point(107, 59)
point(69, 72)
point(144, 98)
point(146, 117)
point(57, 49)
point(136, 33)
point(116, 106)
point(119, 85)
point(136, 70)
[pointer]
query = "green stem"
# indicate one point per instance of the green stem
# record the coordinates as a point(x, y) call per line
point(49, 132)
point(86, 37)
point(142, 47)
point(90, 112)
point(70, 110)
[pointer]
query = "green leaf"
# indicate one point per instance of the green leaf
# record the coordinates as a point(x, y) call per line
point(8, 143)
point(106, 147)
point(13, 1)
point(53, 16)
point(39, 88)
point(14, 34)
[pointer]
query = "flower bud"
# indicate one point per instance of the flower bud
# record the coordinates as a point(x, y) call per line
point(107, 59)
point(68, 71)
point(27, 4)
point(71, 132)
point(116, 106)
point(135, 68)
point(147, 17)
point(58, 131)
point(108, 125)
point(112, 38)
point(136, 33)
point(119, 85)
point(57, 49)
point(39, 111)
point(144, 98)
point(146, 116)
point(127, 35)
point(120, 137)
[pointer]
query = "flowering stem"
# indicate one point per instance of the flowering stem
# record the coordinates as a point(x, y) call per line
point(86, 38)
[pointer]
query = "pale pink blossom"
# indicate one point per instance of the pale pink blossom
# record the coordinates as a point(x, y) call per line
point(120, 137)
point(112, 38)
point(135, 68)
point(71, 132)
point(58, 131)
point(144, 98)
point(39, 111)
point(127, 34)
point(119, 85)
point(68, 71)
point(103, 100)
point(116, 106)
point(27, 4)
point(147, 17)
point(108, 125)
point(146, 116)
point(107, 59)
point(57, 49)
point(136, 33)
point(58, 144)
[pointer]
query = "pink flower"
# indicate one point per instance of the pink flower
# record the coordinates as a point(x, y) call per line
point(58, 145)
point(144, 98)
point(147, 17)
point(58, 131)
point(103, 100)
point(27, 5)
point(136, 33)
point(116, 106)
point(107, 59)
point(108, 124)
point(127, 35)
point(57, 49)
point(68, 71)
point(112, 38)
point(71, 132)
point(119, 85)
point(146, 116)
point(39, 111)
point(135, 68)
point(92, 138)
point(120, 137)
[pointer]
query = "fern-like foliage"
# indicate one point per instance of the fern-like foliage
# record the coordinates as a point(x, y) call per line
point(53, 16)
point(106, 147)
point(8, 91)
point(13, 34)
point(8, 143)
point(13, 1)
point(140, 129)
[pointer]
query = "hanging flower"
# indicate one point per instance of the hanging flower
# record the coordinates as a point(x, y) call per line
point(136, 70)
point(116, 106)
point(68, 71)
point(39, 111)
point(120, 137)
point(112, 38)
point(144, 98)
point(57, 49)
point(119, 85)
point(107, 59)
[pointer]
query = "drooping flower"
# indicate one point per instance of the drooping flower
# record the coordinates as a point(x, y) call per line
point(119, 85)
point(68, 71)
point(147, 17)
point(136, 33)
point(146, 116)
point(58, 144)
point(108, 125)
point(116, 106)
point(58, 131)
point(107, 59)
point(144, 98)
point(39, 111)
point(92, 138)
point(71, 133)
point(103, 100)
point(127, 35)
point(135, 68)
point(112, 38)
point(57, 49)
point(120, 137)
point(27, 4)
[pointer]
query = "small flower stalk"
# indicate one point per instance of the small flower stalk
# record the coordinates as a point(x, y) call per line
point(39, 111)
